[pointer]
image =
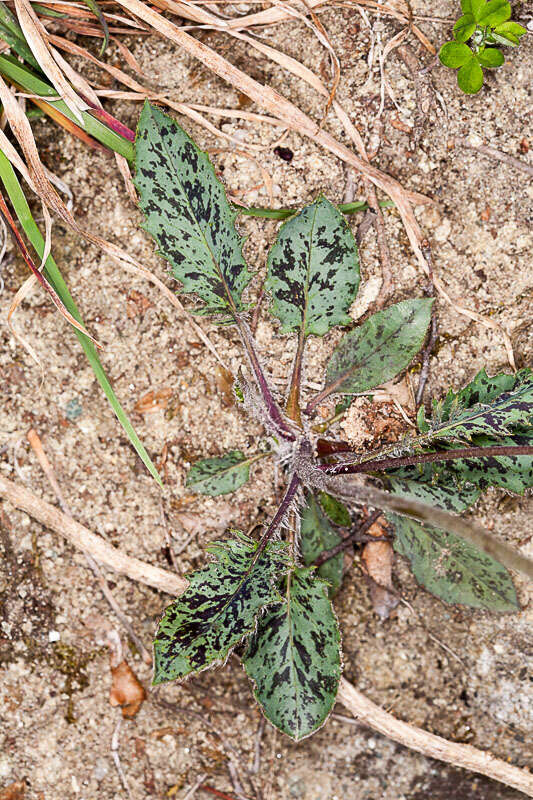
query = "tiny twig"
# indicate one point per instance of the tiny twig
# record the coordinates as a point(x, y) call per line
point(364, 226)
point(168, 540)
point(115, 741)
point(354, 536)
point(36, 444)
point(491, 152)
point(232, 753)
point(196, 785)
point(425, 93)
point(216, 792)
point(258, 740)
point(433, 328)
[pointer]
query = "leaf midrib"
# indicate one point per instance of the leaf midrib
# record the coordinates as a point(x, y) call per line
point(483, 410)
point(357, 367)
point(193, 216)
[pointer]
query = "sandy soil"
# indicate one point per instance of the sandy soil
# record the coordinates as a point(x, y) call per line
point(462, 674)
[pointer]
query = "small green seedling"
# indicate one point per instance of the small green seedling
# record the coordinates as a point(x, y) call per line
point(269, 598)
point(484, 23)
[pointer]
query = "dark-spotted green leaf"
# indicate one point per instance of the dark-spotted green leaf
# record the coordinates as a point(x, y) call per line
point(313, 270)
point(335, 510)
point(294, 658)
point(316, 535)
point(422, 484)
point(511, 472)
point(490, 57)
point(470, 77)
point(493, 407)
point(220, 475)
point(443, 563)
point(452, 569)
point(219, 608)
point(378, 349)
point(188, 214)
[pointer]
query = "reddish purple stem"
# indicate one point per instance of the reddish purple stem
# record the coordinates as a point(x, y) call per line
point(381, 464)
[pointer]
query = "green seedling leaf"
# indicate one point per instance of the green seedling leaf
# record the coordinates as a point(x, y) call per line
point(219, 608)
point(462, 31)
point(508, 33)
point(316, 535)
point(188, 214)
point(470, 77)
point(221, 475)
point(507, 39)
point(510, 27)
point(466, 6)
point(453, 569)
point(490, 57)
point(294, 658)
point(493, 13)
point(493, 407)
point(476, 7)
point(313, 270)
point(380, 348)
point(335, 510)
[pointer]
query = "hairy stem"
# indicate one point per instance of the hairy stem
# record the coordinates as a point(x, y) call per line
point(272, 407)
point(278, 517)
point(431, 515)
point(382, 464)
point(325, 392)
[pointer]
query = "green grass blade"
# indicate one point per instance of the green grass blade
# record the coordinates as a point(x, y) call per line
point(53, 275)
point(32, 83)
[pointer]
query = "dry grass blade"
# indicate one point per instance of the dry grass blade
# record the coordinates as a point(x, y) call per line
point(36, 273)
point(33, 31)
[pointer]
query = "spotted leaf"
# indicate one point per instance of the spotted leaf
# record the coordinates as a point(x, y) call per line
point(316, 535)
point(452, 569)
point(443, 563)
point(221, 475)
point(219, 608)
point(313, 270)
point(442, 490)
point(188, 214)
point(379, 349)
point(487, 406)
point(294, 658)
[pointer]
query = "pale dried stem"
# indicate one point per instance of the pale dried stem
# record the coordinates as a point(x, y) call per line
point(83, 539)
point(460, 755)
